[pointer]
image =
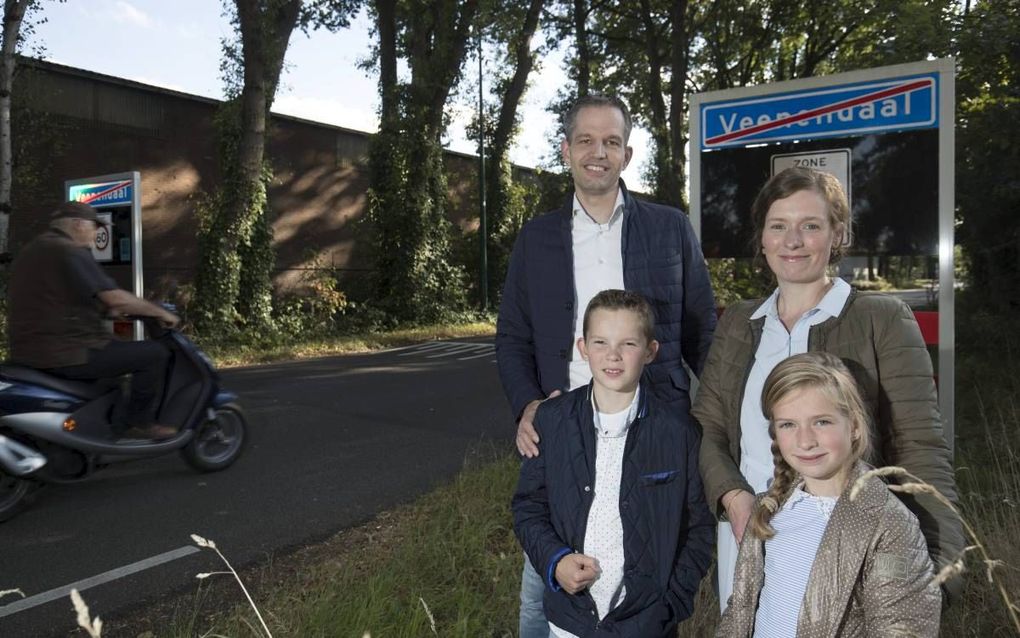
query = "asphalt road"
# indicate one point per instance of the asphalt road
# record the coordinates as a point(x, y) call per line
point(333, 442)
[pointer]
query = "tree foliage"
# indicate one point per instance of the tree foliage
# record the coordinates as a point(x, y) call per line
point(988, 152)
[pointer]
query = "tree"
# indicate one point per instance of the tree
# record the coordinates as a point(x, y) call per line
point(14, 14)
point(407, 199)
point(647, 44)
point(235, 238)
point(988, 154)
point(513, 27)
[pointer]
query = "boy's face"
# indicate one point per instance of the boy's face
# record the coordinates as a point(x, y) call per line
point(616, 349)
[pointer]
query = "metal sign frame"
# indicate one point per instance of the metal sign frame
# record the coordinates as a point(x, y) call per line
point(945, 117)
point(135, 202)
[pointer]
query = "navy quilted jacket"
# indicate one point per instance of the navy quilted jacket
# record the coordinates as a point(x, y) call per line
point(662, 260)
point(668, 530)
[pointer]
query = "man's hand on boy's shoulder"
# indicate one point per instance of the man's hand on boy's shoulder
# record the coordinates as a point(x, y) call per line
point(527, 437)
point(576, 572)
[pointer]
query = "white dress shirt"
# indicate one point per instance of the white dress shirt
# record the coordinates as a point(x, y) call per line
point(598, 266)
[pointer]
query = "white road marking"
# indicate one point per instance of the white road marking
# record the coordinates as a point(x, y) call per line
point(459, 349)
point(82, 585)
point(425, 348)
point(487, 353)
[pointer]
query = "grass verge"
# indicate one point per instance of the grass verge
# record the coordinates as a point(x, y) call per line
point(450, 558)
point(454, 550)
point(232, 355)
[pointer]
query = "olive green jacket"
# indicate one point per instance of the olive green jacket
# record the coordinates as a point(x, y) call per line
point(871, 577)
point(878, 339)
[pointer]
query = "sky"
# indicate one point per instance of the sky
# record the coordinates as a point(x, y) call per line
point(175, 44)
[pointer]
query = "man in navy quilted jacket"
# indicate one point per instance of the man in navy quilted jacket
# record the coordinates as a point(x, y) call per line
point(601, 238)
point(612, 512)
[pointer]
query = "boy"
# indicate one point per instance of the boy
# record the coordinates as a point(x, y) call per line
point(611, 512)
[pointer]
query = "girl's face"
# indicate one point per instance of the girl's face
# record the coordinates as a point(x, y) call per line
point(815, 438)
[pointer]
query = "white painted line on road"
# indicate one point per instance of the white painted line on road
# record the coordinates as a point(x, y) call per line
point(82, 585)
point(425, 348)
point(488, 353)
point(449, 352)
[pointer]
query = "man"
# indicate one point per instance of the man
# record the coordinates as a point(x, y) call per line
point(602, 238)
point(57, 298)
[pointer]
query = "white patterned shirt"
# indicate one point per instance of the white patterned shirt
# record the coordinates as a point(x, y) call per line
point(603, 538)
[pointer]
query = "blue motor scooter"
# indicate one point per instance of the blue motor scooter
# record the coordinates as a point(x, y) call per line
point(55, 430)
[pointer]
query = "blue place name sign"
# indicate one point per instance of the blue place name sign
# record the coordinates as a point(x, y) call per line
point(891, 104)
point(119, 193)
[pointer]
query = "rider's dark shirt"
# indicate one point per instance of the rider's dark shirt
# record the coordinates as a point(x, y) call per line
point(53, 315)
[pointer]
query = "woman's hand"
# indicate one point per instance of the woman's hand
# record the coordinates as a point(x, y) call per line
point(738, 504)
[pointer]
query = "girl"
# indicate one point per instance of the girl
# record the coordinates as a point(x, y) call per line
point(816, 562)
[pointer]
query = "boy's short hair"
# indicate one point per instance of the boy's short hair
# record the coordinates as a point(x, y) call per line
point(623, 300)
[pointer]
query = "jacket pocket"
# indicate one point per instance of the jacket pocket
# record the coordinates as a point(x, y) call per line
point(659, 478)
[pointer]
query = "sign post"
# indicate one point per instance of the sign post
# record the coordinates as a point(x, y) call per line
point(886, 134)
point(117, 199)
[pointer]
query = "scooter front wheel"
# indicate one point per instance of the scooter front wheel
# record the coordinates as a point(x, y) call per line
point(14, 495)
point(218, 441)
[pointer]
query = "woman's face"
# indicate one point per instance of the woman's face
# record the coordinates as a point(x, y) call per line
point(798, 238)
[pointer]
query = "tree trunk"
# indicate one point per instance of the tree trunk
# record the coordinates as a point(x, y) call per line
point(386, 25)
point(265, 34)
point(583, 47)
point(14, 13)
point(679, 61)
point(408, 196)
point(234, 280)
point(499, 178)
point(658, 125)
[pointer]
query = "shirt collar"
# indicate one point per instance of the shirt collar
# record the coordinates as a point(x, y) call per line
point(824, 504)
point(618, 208)
point(620, 430)
point(831, 303)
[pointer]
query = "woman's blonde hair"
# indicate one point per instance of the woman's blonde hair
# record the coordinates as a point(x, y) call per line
point(827, 374)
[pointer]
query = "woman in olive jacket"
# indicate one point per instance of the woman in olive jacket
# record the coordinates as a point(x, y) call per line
point(799, 221)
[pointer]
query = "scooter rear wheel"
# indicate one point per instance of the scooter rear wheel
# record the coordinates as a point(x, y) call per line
point(218, 441)
point(14, 495)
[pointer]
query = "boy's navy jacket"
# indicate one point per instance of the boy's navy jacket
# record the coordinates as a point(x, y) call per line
point(662, 261)
point(668, 531)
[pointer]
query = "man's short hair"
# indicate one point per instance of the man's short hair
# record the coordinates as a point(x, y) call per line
point(613, 299)
point(596, 100)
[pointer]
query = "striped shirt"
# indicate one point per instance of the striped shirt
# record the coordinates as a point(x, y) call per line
point(789, 556)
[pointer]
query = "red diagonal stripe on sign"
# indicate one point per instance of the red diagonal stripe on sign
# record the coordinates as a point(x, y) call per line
point(94, 196)
point(821, 110)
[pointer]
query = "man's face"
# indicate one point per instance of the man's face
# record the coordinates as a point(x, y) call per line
point(597, 152)
point(85, 232)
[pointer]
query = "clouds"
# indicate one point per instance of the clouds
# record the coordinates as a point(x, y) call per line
point(328, 110)
point(123, 12)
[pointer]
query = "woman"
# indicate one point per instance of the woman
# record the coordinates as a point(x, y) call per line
point(800, 218)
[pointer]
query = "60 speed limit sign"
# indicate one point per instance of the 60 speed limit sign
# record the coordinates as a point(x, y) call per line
point(102, 250)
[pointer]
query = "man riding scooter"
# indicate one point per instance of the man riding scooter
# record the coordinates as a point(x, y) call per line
point(57, 299)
